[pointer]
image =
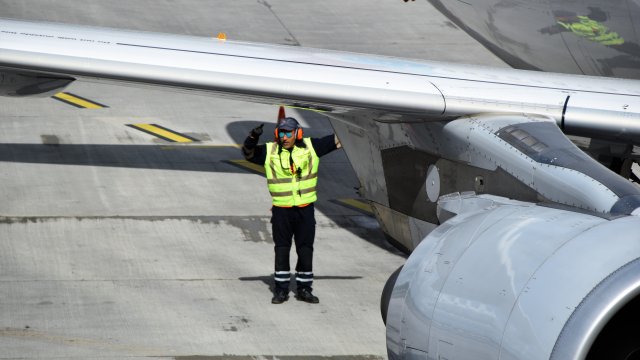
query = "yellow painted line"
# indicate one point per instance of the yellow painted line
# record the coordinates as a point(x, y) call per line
point(248, 165)
point(356, 204)
point(163, 133)
point(77, 101)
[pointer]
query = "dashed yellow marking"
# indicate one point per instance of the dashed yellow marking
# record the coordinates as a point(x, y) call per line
point(248, 165)
point(163, 133)
point(356, 204)
point(77, 101)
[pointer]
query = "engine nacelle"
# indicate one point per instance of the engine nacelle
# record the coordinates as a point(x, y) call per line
point(14, 83)
point(513, 280)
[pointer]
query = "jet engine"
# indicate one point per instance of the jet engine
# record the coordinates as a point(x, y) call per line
point(513, 280)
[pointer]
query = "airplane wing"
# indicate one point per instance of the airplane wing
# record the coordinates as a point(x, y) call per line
point(402, 90)
point(524, 246)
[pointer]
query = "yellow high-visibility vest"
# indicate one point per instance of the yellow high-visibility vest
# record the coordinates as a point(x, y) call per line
point(292, 186)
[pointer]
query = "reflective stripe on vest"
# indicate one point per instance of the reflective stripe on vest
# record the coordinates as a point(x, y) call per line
point(287, 187)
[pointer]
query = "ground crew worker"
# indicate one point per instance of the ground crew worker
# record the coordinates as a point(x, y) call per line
point(291, 165)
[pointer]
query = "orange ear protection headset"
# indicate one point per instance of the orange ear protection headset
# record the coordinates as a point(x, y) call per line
point(289, 123)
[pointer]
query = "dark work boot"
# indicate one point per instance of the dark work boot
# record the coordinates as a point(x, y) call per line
point(305, 295)
point(280, 296)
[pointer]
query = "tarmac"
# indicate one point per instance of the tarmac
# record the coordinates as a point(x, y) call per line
point(117, 242)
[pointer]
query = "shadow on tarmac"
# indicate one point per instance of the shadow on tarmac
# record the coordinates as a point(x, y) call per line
point(268, 280)
point(162, 155)
point(215, 159)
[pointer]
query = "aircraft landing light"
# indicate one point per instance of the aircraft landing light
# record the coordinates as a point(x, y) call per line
point(246, 165)
point(355, 204)
point(77, 101)
point(163, 133)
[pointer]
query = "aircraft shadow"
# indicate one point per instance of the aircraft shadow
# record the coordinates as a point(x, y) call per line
point(214, 159)
point(163, 157)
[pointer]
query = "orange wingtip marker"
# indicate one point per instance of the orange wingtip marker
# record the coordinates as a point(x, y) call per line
point(222, 36)
point(281, 114)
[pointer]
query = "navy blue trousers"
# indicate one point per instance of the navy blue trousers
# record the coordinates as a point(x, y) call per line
point(299, 224)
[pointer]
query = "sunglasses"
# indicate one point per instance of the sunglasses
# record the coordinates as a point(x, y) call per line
point(285, 133)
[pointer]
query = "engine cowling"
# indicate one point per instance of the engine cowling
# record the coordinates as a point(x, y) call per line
point(512, 280)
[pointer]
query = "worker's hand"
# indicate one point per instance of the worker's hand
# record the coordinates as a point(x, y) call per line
point(257, 131)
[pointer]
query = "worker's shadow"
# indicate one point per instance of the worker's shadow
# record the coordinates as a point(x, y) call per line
point(270, 283)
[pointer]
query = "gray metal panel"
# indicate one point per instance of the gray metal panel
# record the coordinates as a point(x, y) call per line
point(364, 153)
point(212, 65)
point(476, 301)
point(438, 256)
point(587, 184)
point(501, 279)
point(582, 119)
point(598, 307)
point(563, 281)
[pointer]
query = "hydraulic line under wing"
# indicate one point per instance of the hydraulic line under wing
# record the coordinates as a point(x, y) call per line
point(468, 165)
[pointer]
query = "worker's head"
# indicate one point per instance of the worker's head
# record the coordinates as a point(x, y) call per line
point(288, 131)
